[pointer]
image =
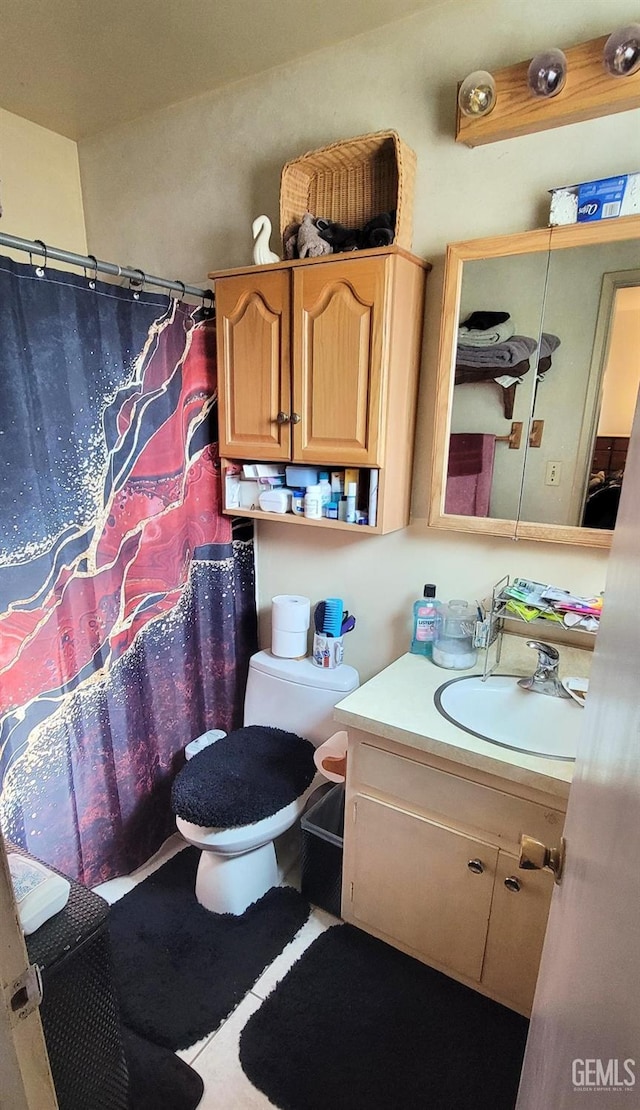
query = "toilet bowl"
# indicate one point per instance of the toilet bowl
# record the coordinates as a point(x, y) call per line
point(238, 863)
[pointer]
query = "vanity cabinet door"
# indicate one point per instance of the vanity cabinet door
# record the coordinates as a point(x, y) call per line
point(517, 927)
point(410, 880)
point(254, 372)
point(338, 361)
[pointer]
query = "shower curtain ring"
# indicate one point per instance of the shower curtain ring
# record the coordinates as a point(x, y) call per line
point(40, 270)
point(207, 310)
point(92, 281)
point(140, 283)
point(180, 299)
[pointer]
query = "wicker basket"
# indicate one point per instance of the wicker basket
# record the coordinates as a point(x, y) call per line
point(350, 182)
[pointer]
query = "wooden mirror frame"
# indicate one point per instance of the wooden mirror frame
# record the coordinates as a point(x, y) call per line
point(544, 239)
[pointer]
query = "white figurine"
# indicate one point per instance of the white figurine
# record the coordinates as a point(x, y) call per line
point(261, 229)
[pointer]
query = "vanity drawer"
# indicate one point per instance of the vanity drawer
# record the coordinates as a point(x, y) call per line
point(463, 803)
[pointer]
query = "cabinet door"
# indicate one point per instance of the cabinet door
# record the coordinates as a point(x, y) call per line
point(410, 880)
point(516, 932)
point(339, 357)
point(254, 384)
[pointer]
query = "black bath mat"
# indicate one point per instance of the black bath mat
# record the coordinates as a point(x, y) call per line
point(159, 1078)
point(357, 1025)
point(179, 969)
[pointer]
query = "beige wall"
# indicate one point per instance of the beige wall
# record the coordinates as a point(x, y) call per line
point(176, 193)
point(41, 194)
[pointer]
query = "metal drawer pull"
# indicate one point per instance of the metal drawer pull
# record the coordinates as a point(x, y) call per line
point(512, 884)
point(282, 418)
point(476, 865)
point(295, 418)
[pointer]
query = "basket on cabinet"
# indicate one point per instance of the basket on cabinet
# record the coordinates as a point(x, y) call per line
point(352, 181)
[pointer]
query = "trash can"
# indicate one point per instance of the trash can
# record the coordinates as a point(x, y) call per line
point(322, 841)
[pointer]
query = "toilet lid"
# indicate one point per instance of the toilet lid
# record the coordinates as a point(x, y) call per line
point(244, 777)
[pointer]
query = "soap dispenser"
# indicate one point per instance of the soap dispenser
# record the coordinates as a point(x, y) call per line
point(426, 614)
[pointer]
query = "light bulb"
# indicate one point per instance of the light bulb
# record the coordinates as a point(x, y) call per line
point(547, 73)
point(477, 95)
point(621, 54)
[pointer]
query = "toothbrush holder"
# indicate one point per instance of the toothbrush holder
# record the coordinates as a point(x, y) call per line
point(328, 651)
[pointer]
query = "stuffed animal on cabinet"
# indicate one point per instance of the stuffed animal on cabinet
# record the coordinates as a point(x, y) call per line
point(309, 242)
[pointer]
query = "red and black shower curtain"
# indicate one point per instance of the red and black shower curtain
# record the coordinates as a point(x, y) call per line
point(127, 611)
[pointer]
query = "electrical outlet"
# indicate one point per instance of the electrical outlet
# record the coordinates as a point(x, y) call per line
point(554, 471)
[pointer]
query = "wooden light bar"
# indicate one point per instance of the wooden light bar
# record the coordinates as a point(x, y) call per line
point(589, 92)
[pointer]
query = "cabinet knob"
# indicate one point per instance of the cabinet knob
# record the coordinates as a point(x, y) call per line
point(476, 865)
point(283, 418)
point(295, 418)
point(512, 884)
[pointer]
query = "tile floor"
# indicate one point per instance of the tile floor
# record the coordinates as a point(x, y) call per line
point(226, 1087)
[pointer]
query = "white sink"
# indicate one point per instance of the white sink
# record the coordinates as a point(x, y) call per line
point(501, 712)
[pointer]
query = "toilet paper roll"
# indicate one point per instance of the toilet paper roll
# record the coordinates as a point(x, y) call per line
point(290, 613)
point(288, 645)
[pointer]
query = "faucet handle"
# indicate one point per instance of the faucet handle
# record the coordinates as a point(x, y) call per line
point(548, 656)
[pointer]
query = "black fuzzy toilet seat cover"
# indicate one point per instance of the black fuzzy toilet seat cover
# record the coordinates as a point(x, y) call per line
point(243, 777)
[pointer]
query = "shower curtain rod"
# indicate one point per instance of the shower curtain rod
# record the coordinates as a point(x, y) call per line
point(90, 262)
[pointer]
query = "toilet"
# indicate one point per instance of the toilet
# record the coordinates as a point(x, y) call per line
point(238, 863)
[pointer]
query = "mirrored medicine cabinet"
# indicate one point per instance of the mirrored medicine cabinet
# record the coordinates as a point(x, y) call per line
point(535, 396)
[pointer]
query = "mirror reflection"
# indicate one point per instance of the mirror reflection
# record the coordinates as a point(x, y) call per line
point(580, 307)
point(546, 372)
point(501, 307)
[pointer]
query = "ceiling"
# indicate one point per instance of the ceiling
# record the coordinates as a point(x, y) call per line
point(80, 66)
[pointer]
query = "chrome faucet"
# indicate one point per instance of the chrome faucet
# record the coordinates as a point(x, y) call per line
point(545, 678)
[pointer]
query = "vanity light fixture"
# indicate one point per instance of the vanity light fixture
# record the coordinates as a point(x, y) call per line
point(547, 73)
point(501, 105)
point(477, 94)
point(621, 53)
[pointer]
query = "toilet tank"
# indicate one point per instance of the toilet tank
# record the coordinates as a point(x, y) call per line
point(295, 695)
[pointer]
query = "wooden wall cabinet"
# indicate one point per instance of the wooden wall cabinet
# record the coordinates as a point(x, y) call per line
point(431, 866)
point(318, 363)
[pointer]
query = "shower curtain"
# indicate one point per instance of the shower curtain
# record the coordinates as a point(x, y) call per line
point(127, 611)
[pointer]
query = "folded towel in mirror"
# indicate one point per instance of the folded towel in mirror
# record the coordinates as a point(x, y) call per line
point(475, 337)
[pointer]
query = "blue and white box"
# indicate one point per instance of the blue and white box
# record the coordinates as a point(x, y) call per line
point(596, 200)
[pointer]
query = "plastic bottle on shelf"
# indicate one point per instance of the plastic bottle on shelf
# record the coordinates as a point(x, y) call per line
point(426, 616)
point(325, 489)
point(351, 502)
point(313, 503)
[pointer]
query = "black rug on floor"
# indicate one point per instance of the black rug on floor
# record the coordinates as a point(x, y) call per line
point(357, 1025)
point(180, 970)
point(158, 1079)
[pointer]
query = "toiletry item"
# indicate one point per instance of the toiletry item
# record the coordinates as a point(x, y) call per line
point(342, 509)
point(275, 500)
point(313, 503)
point(39, 892)
point(290, 617)
point(249, 492)
point(352, 490)
point(297, 502)
point(331, 511)
point(453, 646)
point(325, 488)
point(426, 613)
point(351, 474)
point(373, 497)
point(337, 484)
point(302, 476)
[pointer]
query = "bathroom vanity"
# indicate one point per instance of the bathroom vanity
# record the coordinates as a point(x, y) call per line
point(433, 821)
